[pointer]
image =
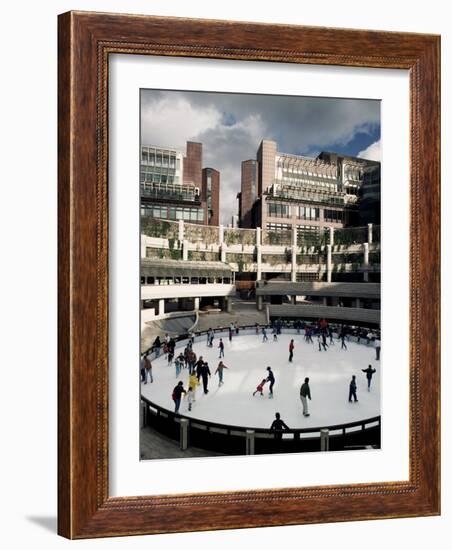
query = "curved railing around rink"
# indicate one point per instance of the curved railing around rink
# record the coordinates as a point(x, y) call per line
point(240, 440)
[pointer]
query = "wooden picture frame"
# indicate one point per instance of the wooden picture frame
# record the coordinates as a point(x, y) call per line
point(86, 40)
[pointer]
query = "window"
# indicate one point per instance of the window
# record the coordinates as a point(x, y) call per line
point(308, 213)
point(278, 210)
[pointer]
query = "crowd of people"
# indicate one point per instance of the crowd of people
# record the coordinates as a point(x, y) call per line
point(199, 372)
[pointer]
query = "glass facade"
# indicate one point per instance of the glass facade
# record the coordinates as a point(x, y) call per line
point(188, 214)
point(278, 210)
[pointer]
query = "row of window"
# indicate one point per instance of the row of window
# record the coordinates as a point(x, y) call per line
point(281, 210)
point(159, 158)
point(147, 177)
point(195, 215)
point(287, 227)
point(333, 215)
point(164, 281)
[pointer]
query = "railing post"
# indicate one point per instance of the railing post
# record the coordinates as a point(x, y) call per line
point(250, 442)
point(369, 233)
point(221, 234)
point(331, 236)
point(366, 262)
point(183, 434)
point(324, 439)
point(181, 230)
point(328, 263)
point(184, 250)
point(294, 255)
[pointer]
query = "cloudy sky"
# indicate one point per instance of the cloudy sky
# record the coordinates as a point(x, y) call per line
point(231, 127)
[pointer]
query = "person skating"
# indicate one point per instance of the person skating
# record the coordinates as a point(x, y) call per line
point(264, 335)
point(278, 425)
point(156, 346)
point(330, 334)
point(352, 390)
point(177, 395)
point(260, 388)
point(291, 348)
point(148, 370)
point(178, 364)
point(199, 365)
point(205, 375)
point(143, 370)
point(230, 329)
point(190, 398)
point(221, 348)
point(236, 326)
point(193, 383)
point(271, 379)
point(219, 370)
point(209, 335)
point(275, 334)
point(377, 349)
point(324, 344)
point(343, 344)
point(369, 373)
point(305, 392)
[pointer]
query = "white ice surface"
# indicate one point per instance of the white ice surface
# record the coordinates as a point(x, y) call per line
point(247, 358)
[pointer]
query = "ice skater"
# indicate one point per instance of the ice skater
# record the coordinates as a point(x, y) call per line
point(352, 390)
point(377, 348)
point(278, 425)
point(330, 334)
point(205, 375)
point(264, 335)
point(148, 370)
point(342, 336)
point(275, 334)
point(305, 392)
point(190, 398)
point(271, 379)
point(369, 373)
point(177, 395)
point(291, 348)
point(193, 383)
point(220, 368)
point(221, 348)
point(260, 388)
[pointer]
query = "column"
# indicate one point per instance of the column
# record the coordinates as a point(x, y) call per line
point(221, 234)
point(250, 442)
point(328, 263)
point(293, 276)
point(293, 300)
point(196, 304)
point(184, 250)
point(259, 301)
point(331, 236)
point(325, 301)
point(366, 261)
point(358, 302)
point(369, 233)
point(161, 306)
point(223, 249)
point(324, 439)
point(181, 230)
point(183, 434)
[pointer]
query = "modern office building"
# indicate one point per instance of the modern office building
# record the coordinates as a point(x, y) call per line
point(248, 193)
point(172, 187)
point(281, 191)
point(211, 194)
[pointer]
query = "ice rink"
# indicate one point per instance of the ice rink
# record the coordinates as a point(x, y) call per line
point(247, 357)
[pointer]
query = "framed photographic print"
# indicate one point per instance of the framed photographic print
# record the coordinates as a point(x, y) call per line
point(248, 275)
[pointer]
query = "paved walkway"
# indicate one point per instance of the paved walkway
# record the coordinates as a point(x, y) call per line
point(243, 312)
point(156, 445)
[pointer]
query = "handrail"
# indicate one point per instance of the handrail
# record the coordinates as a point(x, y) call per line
point(229, 427)
point(251, 327)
